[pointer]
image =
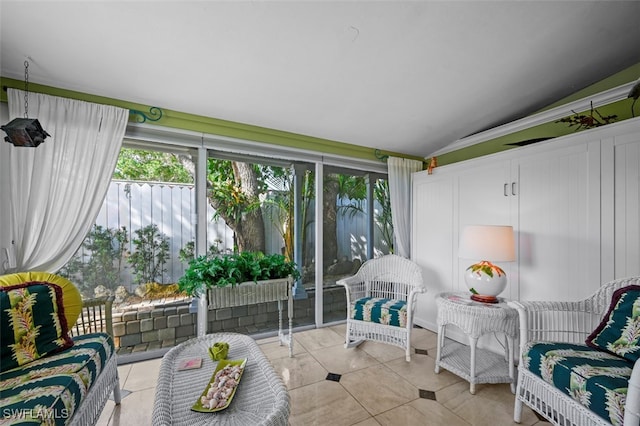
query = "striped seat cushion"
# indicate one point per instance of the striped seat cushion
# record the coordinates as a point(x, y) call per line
point(596, 379)
point(381, 311)
point(50, 389)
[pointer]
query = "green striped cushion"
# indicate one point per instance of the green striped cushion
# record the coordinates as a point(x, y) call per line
point(33, 323)
point(381, 311)
point(53, 387)
point(596, 379)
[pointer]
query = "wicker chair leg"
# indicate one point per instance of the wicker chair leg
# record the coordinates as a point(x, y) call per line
point(117, 396)
point(353, 343)
point(517, 408)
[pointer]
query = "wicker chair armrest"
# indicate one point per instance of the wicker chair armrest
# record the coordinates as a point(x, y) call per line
point(354, 286)
point(96, 313)
point(570, 322)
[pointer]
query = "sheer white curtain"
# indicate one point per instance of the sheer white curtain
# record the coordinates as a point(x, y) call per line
point(57, 188)
point(400, 170)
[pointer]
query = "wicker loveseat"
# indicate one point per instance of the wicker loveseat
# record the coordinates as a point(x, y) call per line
point(381, 298)
point(578, 359)
point(48, 377)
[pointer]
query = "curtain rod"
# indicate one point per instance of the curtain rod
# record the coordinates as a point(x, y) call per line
point(154, 114)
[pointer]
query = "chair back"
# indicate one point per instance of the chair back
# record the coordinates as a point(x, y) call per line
point(391, 277)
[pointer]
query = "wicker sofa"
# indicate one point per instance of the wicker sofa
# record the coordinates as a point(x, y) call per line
point(577, 362)
point(47, 376)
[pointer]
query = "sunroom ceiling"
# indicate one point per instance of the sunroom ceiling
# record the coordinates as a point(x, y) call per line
point(408, 77)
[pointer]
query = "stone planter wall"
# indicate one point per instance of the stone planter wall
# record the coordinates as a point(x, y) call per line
point(150, 328)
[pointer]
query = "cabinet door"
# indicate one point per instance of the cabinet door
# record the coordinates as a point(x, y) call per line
point(625, 227)
point(485, 197)
point(432, 240)
point(558, 222)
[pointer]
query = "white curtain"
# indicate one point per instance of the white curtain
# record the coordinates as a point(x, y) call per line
point(57, 189)
point(400, 170)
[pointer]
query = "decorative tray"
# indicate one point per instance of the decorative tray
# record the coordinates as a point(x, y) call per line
point(221, 389)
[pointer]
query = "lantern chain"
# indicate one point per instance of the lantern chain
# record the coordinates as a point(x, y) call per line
point(26, 88)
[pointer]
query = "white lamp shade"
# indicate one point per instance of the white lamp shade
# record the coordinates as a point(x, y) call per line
point(487, 242)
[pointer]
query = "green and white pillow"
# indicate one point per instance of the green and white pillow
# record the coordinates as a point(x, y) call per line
point(32, 323)
point(619, 331)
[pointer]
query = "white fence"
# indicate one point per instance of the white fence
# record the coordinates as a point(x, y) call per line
point(171, 207)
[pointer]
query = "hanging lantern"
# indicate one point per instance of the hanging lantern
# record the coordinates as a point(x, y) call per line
point(25, 131)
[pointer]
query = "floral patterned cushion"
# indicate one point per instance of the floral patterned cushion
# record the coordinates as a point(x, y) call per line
point(381, 311)
point(71, 297)
point(619, 331)
point(33, 323)
point(596, 379)
point(49, 391)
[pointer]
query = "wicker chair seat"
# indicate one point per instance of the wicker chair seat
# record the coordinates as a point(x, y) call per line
point(594, 378)
point(566, 381)
point(379, 310)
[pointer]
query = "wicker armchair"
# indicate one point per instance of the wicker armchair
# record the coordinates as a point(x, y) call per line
point(567, 322)
point(381, 298)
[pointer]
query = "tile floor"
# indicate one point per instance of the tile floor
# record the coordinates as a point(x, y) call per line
point(369, 385)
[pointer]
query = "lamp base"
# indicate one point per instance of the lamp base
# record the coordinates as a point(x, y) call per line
point(484, 299)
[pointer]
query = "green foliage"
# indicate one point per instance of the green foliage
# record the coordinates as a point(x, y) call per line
point(101, 263)
point(150, 254)
point(154, 166)
point(231, 269)
point(188, 252)
point(383, 219)
point(232, 201)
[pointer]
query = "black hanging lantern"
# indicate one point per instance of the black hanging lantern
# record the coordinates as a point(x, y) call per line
point(25, 131)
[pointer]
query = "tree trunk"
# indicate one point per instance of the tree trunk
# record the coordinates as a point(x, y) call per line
point(248, 227)
point(330, 212)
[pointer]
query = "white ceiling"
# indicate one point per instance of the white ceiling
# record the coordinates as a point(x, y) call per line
point(409, 77)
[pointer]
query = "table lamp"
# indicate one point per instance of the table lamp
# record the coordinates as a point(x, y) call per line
point(487, 243)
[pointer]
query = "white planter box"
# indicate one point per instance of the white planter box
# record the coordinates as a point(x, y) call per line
point(250, 293)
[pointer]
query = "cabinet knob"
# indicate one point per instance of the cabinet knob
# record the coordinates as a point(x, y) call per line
point(505, 190)
point(513, 188)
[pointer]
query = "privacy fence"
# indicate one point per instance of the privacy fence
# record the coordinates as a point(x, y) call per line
point(172, 208)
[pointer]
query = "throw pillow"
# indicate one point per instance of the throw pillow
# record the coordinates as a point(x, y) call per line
point(33, 323)
point(71, 297)
point(619, 331)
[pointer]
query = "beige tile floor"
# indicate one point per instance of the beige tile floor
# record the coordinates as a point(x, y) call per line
point(376, 387)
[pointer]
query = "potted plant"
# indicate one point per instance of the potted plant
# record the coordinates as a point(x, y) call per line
point(239, 279)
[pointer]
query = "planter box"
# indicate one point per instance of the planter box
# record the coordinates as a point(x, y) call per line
point(250, 293)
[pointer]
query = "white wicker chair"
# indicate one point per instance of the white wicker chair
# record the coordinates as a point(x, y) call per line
point(570, 322)
point(387, 277)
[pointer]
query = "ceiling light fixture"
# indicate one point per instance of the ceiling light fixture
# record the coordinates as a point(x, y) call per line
point(25, 131)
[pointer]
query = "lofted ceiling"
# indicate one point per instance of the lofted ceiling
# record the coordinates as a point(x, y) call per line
point(407, 77)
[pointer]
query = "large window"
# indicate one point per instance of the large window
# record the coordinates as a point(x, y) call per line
point(147, 233)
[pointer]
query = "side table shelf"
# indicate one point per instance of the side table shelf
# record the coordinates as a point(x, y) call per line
point(476, 319)
point(490, 367)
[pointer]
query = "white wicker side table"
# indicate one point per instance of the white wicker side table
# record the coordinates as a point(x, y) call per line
point(261, 397)
point(476, 319)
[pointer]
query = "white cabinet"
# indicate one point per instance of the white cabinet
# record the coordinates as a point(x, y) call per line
point(433, 240)
point(558, 221)
point(621, 204)
point(554, 194)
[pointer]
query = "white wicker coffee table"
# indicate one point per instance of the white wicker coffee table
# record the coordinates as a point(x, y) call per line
point(261, 397)
point(476, 319)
